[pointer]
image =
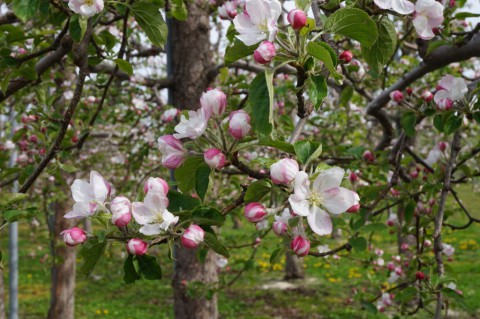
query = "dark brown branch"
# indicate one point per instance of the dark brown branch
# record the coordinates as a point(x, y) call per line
point(244, 168)
point(8, 18)
point(471, 219)
point(345, 246)
point(419, 160)
point(237, 203)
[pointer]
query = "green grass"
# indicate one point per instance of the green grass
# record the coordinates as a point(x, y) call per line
point(324, 294)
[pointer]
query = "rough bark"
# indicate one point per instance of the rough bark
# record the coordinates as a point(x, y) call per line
point(63, 267)
point(293, 267)
point(191, 61)
point(2, 296)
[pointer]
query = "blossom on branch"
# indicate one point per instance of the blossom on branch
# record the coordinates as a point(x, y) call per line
point(428, 15)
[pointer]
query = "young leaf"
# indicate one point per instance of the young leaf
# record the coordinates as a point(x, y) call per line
point(317, 90)
point(7, 199)
point(149, 267)
point(130, 273)
point(307, 150)
point(16, 215)
point(359, 244)
point(180, 202)
point(212, 241)
point(202, 179)
point(205, 215)
point(25, 9)
point(382, 50)
point(185, 175)
point(320, 51)
point(409, 120)
point(238, 51)
point(150, 19)
point(353, 23)
point(125, 66)
point(259, 99)
point(257, 190)
point(91, 252)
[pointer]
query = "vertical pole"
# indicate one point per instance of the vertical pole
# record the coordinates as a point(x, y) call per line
point(13, 242)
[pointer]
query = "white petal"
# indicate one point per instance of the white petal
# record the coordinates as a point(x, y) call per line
point(320, 222)
point(441, 95)
point(338, 200)
point(99, 186)
point(82, 191)
point(258, 11)
point(150, 229)
point(275, 9)
point(420, 23)
point(402, 6)
point(301, 185)
point(328, 179)
point(156, 201)
point(168, 220)
point(81, 209)
point(383, 4)
point(141, 213)
point(300, 206)
point(252, 38)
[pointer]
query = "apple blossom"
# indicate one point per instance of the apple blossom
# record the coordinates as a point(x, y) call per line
point(121, 211)
point(213, 102)
point(368, 156)
point(300, 246)
point(239, 124)
point(173, 153)
point(193, 127)
point(88, 196)
point(280, 227)
point(192, 236)
point(258, 22)
point(228, 10)
point(448, 250)
point(156, 184)
point(326, 192)
point(397, 96)
point(433, 156)
point(284, 171)
point(137, 247)
point(346, 56)
point(420, 275)
point(74, 236)
point(450, 89)
point(152, 214)
point(442, 146)
point(169, 114)
point(427, 96)
point(297, 19)
point(392, 219)
point(427, 243)
point(264, 53)
point(428, 15)
point(86, 8)
point(255, 212)
point(214, 158)
point(399, 6)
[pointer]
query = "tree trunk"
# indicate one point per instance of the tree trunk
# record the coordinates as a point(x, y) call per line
point(293, 267)
point(2, 296)
point(191, 62)
point(63, 266)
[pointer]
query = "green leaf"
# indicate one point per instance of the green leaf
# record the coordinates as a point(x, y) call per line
point(346, 95)
point(409, 120)
point(77, 27)
point(178, 9)
point(7, 199)
point(452, 124)
point(186, 174)
point(438, 122)
point(212, 241)
point(238, 51)
point(257, 190)
point(374, 227)
point(150, 19)
point(281, 145)
point(464, 15)
point(317, 90)
point(406, 294)
point(25, 9)
point(378, 55)
point(307, 151)
point(369, 307)
point(259, 100)
point(209, 216)
point(19, 214)
point(91, 252)
point(359, 244)
point(125, 66)
point(180, 202)
point(353, 23)
point(69, 168)
point(409, 211)
point(476, 117)
point(149, 267)
point(130, 274)
point(302, 5)
point(322, 51)
point(202, 179)
point(276, 255)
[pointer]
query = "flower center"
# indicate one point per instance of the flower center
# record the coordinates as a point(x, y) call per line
point(89, 2)
point(158, 218)
point(315, 199)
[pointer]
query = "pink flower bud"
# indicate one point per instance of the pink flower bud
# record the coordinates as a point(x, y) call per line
point(368, 156)
point(258, 240)
point(420, 275)
point(427, 243)
point(239, 124)
point(427, 96)
point(156, 184)
point(214, 102)
point(297, 19)
point(445, 104)
point(409, 90)
point(170, 114)
point(228, 10)
point(354, 209)
point(255, 212)
point(280, 228)
point(442, 146)
point(284, 171)
point(121, 211)
point(264, 53)
point(404, 246)
point(397, 96)
point(192, 236)
point(173, 153)
point(214, 158)
point(452, 3)
point(300, 246)
point(391, 266)
point(346, 56)
point(74, 236)
point(353, 177)
point(414, 174)
point(33, 139)
point(137, 247)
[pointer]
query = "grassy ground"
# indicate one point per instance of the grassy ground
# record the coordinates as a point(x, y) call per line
point(324, 294)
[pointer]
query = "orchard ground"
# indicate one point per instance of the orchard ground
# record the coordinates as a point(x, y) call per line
point(258, 293)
